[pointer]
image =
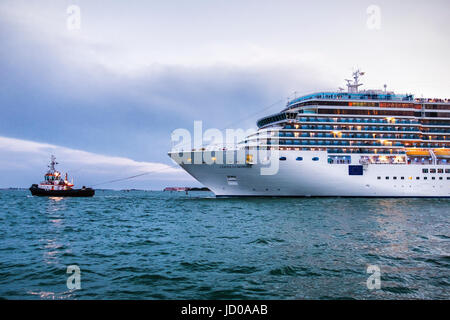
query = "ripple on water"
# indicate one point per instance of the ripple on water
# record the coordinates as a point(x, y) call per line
point(294, 271)
point(267, 241)
point(151, 279)
point(399, 290)
point(240, 269)
point(200, 266)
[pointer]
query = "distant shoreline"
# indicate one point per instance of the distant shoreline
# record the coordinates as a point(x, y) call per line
point(186, 189)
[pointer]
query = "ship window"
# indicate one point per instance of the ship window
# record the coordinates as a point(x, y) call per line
point(424, 170)
point(299, 159)
point(440, 170)
point(403, 178)
point(440, 178)
point(448, 178)
point(378, 178)
point(432, 170)
point(425, 178)
point(232, 180)
point(447, 170)
point(433, 178)
point(315, 159)
point(417, 178)
point(387, 178)
point(282, 158)
point(395, 178)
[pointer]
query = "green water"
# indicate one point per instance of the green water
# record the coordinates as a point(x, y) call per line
point(157, 245)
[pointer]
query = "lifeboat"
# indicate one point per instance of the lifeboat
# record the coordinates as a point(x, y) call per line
point(417, 152)
point(442, 152)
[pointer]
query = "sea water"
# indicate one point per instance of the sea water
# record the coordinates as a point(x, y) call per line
point(162, 245)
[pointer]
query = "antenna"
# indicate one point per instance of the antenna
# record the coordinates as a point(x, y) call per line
point(356, 76)
point(353, 87)
point(385, 86)
point(52, 164)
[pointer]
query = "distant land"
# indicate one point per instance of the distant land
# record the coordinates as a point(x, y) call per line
point(185, 189)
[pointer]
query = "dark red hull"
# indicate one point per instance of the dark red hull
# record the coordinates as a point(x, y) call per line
point(85, 192)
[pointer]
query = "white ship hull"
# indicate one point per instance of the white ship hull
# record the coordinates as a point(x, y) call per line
point(308, 178)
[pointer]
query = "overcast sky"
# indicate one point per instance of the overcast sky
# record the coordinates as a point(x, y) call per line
point(109, 94)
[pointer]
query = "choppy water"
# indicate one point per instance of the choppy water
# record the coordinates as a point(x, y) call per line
point(156, 245)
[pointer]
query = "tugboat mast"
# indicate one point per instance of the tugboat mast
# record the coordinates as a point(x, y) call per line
point(52, 164)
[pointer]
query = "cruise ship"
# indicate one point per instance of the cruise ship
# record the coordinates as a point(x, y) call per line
point(348, 143)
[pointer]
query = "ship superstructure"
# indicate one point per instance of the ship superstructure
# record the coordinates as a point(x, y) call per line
point(53, 179)
point(353, 143)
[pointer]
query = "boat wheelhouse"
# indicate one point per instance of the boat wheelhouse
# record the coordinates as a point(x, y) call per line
point(53, 179)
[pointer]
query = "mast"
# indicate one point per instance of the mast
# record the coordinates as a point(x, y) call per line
point(52, 164)
point(353, 87)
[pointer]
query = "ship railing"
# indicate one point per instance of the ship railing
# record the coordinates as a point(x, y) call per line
point(355, 120)
point(211, 147)
point(436, 100)
point(352, 96)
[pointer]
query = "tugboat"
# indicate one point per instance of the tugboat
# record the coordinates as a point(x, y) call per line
point(54, 186)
